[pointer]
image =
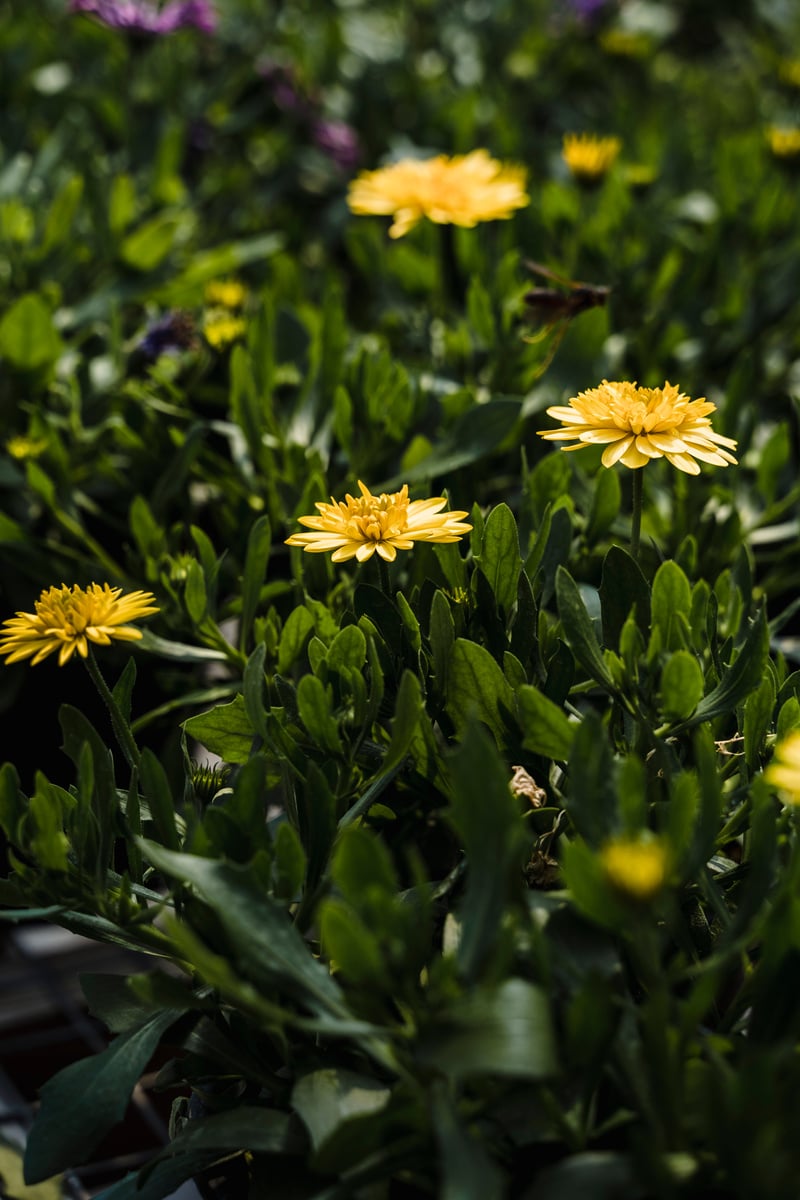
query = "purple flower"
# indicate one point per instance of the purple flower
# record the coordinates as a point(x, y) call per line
point(142, 16)
point(167, 335)
point(339, 141)
point(584, 10)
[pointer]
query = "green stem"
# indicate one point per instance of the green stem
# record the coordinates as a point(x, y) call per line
point(636, 515)
point(122, 730)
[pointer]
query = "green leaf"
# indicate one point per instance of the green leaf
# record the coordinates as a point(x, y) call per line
point(111, 1000)
point(28, 337)
point(295, 633)
point(290, 862)
point(579, 631)
point(327, 1099)
point(545, 727)
point(259, 937)
point(150, 243)
point(348, 650)
point(476, 687)
point(123, 688)
point(671, 594)
point(682, 685)
point(467, 1171)
point(623, 586)
point(757, 720)
point(485, 815)
point(590, 798)
point(255, 570)
point(259, 1130)
point(500, 559)
point(350, 945)
point(601, 1174)
point(505, 1030)
point(315, 708)
point(156, 788)
point(226, 731)
point(739, 679)
point(253, 690)
point(87, 1099)
point(409, 709)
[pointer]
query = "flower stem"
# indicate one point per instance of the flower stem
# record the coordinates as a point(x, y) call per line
point(636, 515)
point(122, 730)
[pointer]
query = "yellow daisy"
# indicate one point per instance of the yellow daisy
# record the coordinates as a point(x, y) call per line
point(220, 328)
point(68, 618)
point(637, 424)
point(638, 868)
point(783, 142)
point(784, 770)
point(463, 190)
point(227, 293)
point(359, 525)
point(589, 157)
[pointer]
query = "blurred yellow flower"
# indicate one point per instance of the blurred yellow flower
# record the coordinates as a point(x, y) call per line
point(227, 293)
point(68, 618)
point(784, 770)
point(637, 867)
point(220, 328)
point(625, 42)
point(463, 190)
point(359, 525)
point(589, 157)
point(783, 142)
point(637, 424)
point(25, 447)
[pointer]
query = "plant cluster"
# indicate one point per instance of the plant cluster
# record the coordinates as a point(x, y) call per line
point(451, 784)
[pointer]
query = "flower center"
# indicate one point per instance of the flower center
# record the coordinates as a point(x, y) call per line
point(377, 518)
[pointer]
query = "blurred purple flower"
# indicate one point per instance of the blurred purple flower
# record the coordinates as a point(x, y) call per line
point(339, 141)
point(284, 86)
point(169, 334)
point(584, 10)
point(142, 16)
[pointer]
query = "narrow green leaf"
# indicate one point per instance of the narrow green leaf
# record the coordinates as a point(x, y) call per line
point(623, 586)
point(739, 679)
point(579, 631)
point(500, 560)
point(255, 570)
point(316, 713)
point(682, 685)
point(158, 793)
point(87, 1099)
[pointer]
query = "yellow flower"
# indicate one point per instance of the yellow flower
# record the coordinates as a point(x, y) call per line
point(637, 424)
point(784, 770)
point(589, 157)
point(783, 142)
point(25, 447)
point(358, 526)
point(638, 868)
point(68, 618)
point(220, 329)
point(228, 293)
point(463, 190)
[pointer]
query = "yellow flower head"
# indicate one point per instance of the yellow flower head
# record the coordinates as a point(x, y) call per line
point(25, 447)
point(783, 142)
point(463, 190)
point(637, 424)
point(784, 770)
point(589, 157)
point(220, 329)
point(227, 293)
point(359, 525)
point(638, 868)
point(68, 618)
